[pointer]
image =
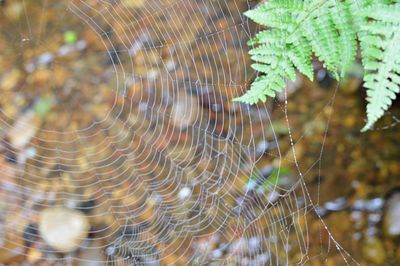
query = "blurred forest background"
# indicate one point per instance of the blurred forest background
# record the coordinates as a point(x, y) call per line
point(117, 125)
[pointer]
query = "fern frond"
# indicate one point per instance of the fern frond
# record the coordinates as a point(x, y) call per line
point(301, 55)
point(278, 61)
point(323, 38)
point(347, 45)
point(282, 13)
point(258, 92)
point(297, 29)
point(329, 29)
point(380, 48)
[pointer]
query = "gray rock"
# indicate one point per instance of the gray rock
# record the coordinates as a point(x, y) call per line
point(336, 205)
point(374, 205)
point(391, 220)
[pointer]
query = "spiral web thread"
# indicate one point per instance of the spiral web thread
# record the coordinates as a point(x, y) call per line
point(146, 131)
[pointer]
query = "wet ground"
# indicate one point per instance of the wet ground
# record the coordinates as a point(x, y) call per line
point(117, 117)
point(355, 184)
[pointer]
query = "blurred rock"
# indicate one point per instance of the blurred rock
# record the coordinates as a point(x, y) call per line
point(62, 228)
point(391, 220)
point(184, 193)
point(336, 205)
point(375, 205)
point(23, 130)
point(321, 211)
point(185, 111)
point(372, 205)
point(324, 78)
point(92, 255)
point(262, 147)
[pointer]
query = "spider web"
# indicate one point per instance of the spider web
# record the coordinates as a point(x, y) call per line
point(142, 135)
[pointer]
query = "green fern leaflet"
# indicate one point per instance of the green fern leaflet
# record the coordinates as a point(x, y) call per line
point(331, 30)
